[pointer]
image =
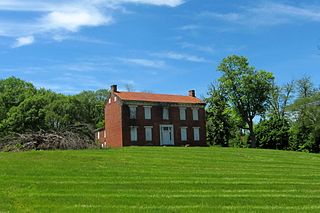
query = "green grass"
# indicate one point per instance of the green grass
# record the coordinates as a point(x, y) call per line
point(160, 179)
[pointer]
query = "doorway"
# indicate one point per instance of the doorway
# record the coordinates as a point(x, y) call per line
point(166, 135)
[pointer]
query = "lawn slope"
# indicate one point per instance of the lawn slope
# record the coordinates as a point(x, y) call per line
point(160, 179)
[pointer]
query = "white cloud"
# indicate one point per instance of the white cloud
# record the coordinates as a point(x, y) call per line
point(188, 27)
point(23, 41)
point(73, 20)
point(181, 56)
point(62, 17)
point(196, 47)
point(169, 3)
point(268, 14)
point(144, 62)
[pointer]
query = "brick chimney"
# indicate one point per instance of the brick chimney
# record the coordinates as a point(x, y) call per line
point(192, 93)
point(114, 88)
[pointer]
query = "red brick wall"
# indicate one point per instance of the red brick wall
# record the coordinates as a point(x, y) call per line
point(113, 122)
point(156, 121)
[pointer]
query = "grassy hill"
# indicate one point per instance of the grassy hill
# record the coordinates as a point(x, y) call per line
point(160, 179)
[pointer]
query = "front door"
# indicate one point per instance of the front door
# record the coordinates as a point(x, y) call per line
point(166, 135)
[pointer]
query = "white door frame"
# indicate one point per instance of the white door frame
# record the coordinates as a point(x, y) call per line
point(172, 134)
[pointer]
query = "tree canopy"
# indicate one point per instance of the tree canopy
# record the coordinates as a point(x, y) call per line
point(246, 89)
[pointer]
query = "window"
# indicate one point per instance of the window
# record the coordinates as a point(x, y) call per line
point(147, 112)
point(134, 133)
point(115, 99)
point(109, 101)
point(148, 133)
point(196, 133)
point(184, 136)
point(133, 112)
point(98, 135)
point(105, 133)
point(165, 114)
point(182, 113)
point(195, 114)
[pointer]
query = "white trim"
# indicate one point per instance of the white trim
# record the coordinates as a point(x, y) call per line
point(165, 113)
point(133, 137)
point(183, 113)
point(186, 132)
point(150, 112)
point(132, 108)
point(172, 134)
point(148, 128)
point(195, 114)
point(196, 137)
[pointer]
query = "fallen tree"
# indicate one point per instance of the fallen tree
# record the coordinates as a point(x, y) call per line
point(75, 137)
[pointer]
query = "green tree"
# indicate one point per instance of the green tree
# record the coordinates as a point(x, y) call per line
point(218, 118)
point(91, 106)
point(247, 89)
point(305, 132)
point(273, 133)
point(30, 114)
point(280, 98)
point(13, 91)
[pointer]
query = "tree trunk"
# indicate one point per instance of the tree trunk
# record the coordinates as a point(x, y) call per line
point(252, 135)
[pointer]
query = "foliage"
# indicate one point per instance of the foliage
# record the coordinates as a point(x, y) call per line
point(218, 118)
point(289, 114)
point(246, 89)
point(273, 133)
point(13, 91)
point(27, 109)
point(305, 132)
point(280, 98)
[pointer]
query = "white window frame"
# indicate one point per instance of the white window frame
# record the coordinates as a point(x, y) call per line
point(146, 129)
point(134, 133)
point(115, 99)
point(133, 111)
point(195, 114)
point(183, 113)
point(165, 113)
point(196, 133)
point(98, 135)
point(109, 101)
point(147, 112)
point(184, 133)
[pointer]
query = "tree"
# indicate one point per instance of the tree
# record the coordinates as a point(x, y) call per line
point(91, 106)
point(29, 115)
point(305, 87)
point(13, 91)
point(247, 89)
point(305, 134)
point(273, 133)
point(280, 98)
point(218, 119)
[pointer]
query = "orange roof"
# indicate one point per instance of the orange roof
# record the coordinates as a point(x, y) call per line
point(149, 97)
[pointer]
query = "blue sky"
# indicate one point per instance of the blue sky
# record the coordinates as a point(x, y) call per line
point(163, 46)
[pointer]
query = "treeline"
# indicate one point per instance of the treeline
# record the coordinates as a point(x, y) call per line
point(247, 109)
point(26, 109)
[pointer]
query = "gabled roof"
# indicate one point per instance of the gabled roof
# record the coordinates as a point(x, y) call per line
point(149, 97)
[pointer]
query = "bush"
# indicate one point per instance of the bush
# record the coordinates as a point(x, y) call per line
point(273, 133)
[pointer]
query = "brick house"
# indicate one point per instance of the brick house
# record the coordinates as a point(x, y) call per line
point(137, 118)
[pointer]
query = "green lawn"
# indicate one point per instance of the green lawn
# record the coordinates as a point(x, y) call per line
point(160, 179)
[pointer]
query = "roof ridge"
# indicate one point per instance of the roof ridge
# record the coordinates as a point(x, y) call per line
point(155, 97)
point(156, 94)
